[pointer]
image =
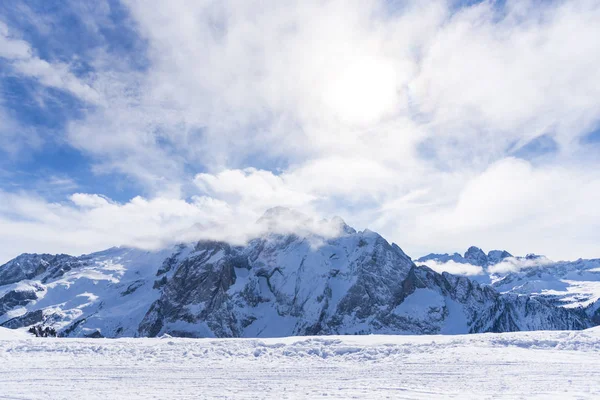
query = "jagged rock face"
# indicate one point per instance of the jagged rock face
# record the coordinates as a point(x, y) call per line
point(276, 285)
point(280, 285)
point(442, 258)
point(194, 301)
point(27, 266)
point(496, 256)
point(45, 266)
point(444, 303)
point(594, 311)
point(16, 298)
point(476, 256)
point(358, 284)
point(28, 319)
point(570, 284)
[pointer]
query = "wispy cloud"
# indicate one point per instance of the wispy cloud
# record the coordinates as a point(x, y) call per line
point(454, 268)
point(514, 264)
point(89, 222)
point(53, 74)
point(404, 119)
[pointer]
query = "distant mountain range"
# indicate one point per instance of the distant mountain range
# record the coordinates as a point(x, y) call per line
point(294, 283)
point(569, 284)
point(473, 255)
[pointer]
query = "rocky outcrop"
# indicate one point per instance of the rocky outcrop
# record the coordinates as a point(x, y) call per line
point(16, 298)
point(28, 319)
point(25, 266)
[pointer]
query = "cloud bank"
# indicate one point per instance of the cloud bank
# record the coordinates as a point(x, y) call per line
point(454, 267)
point(415, 119)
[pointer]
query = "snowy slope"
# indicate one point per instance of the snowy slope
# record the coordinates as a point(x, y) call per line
point(113, 287)
point(279, 284)
point(12, 334)
point(574, 284)
point(527, 365)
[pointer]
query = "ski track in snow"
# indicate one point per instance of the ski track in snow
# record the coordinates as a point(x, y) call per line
point(511, 365)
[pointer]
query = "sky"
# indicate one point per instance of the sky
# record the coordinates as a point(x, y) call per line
point(439, 124)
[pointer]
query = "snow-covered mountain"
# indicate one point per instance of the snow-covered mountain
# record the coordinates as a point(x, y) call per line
point(568, 284)
point(278, 284)
point(473, 255)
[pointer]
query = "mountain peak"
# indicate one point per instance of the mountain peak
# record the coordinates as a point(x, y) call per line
point(476, 256)
point(474, 249)
point(495, 256)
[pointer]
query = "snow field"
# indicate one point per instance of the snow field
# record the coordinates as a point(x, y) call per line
point(515, 365)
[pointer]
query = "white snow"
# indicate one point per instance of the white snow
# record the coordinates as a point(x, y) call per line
point(10, 334)
point(421, 304)
point(96, 291)
point(575, 284)
point(528, 365)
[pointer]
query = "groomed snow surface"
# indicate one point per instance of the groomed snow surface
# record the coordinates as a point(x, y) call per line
point(511, 365)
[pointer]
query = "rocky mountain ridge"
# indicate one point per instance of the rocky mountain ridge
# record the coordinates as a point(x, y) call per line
point(474, 256)
point(568, 284)
point(278, 284)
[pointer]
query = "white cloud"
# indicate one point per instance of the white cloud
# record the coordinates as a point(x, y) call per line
point(12, 48)
point(227, 80)
point(256, 189)
point(519, 207)
point(454, 268)
point(91, 222)
point(85, 200)
point(351, 177)
point(363, 92)
point(57, 75)
point(303, 79)
point(513, 264)
point(509, 264)
point(325, 106)
point(513, 76)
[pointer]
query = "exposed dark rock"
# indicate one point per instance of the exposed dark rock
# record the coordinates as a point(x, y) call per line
point(16, 298)
point(31, 318)
point(476, 256)
point(133, 287)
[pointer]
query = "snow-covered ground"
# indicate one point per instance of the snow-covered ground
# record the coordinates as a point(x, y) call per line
point(512, 365)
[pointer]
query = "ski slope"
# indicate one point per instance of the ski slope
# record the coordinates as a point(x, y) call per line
point(528, 365)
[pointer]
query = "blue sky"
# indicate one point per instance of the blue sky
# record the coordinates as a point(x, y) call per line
point(440, 124)
point(45, 111)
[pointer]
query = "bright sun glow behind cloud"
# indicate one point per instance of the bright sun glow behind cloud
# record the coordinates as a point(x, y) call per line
point(438, 124)
point(363, 91)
